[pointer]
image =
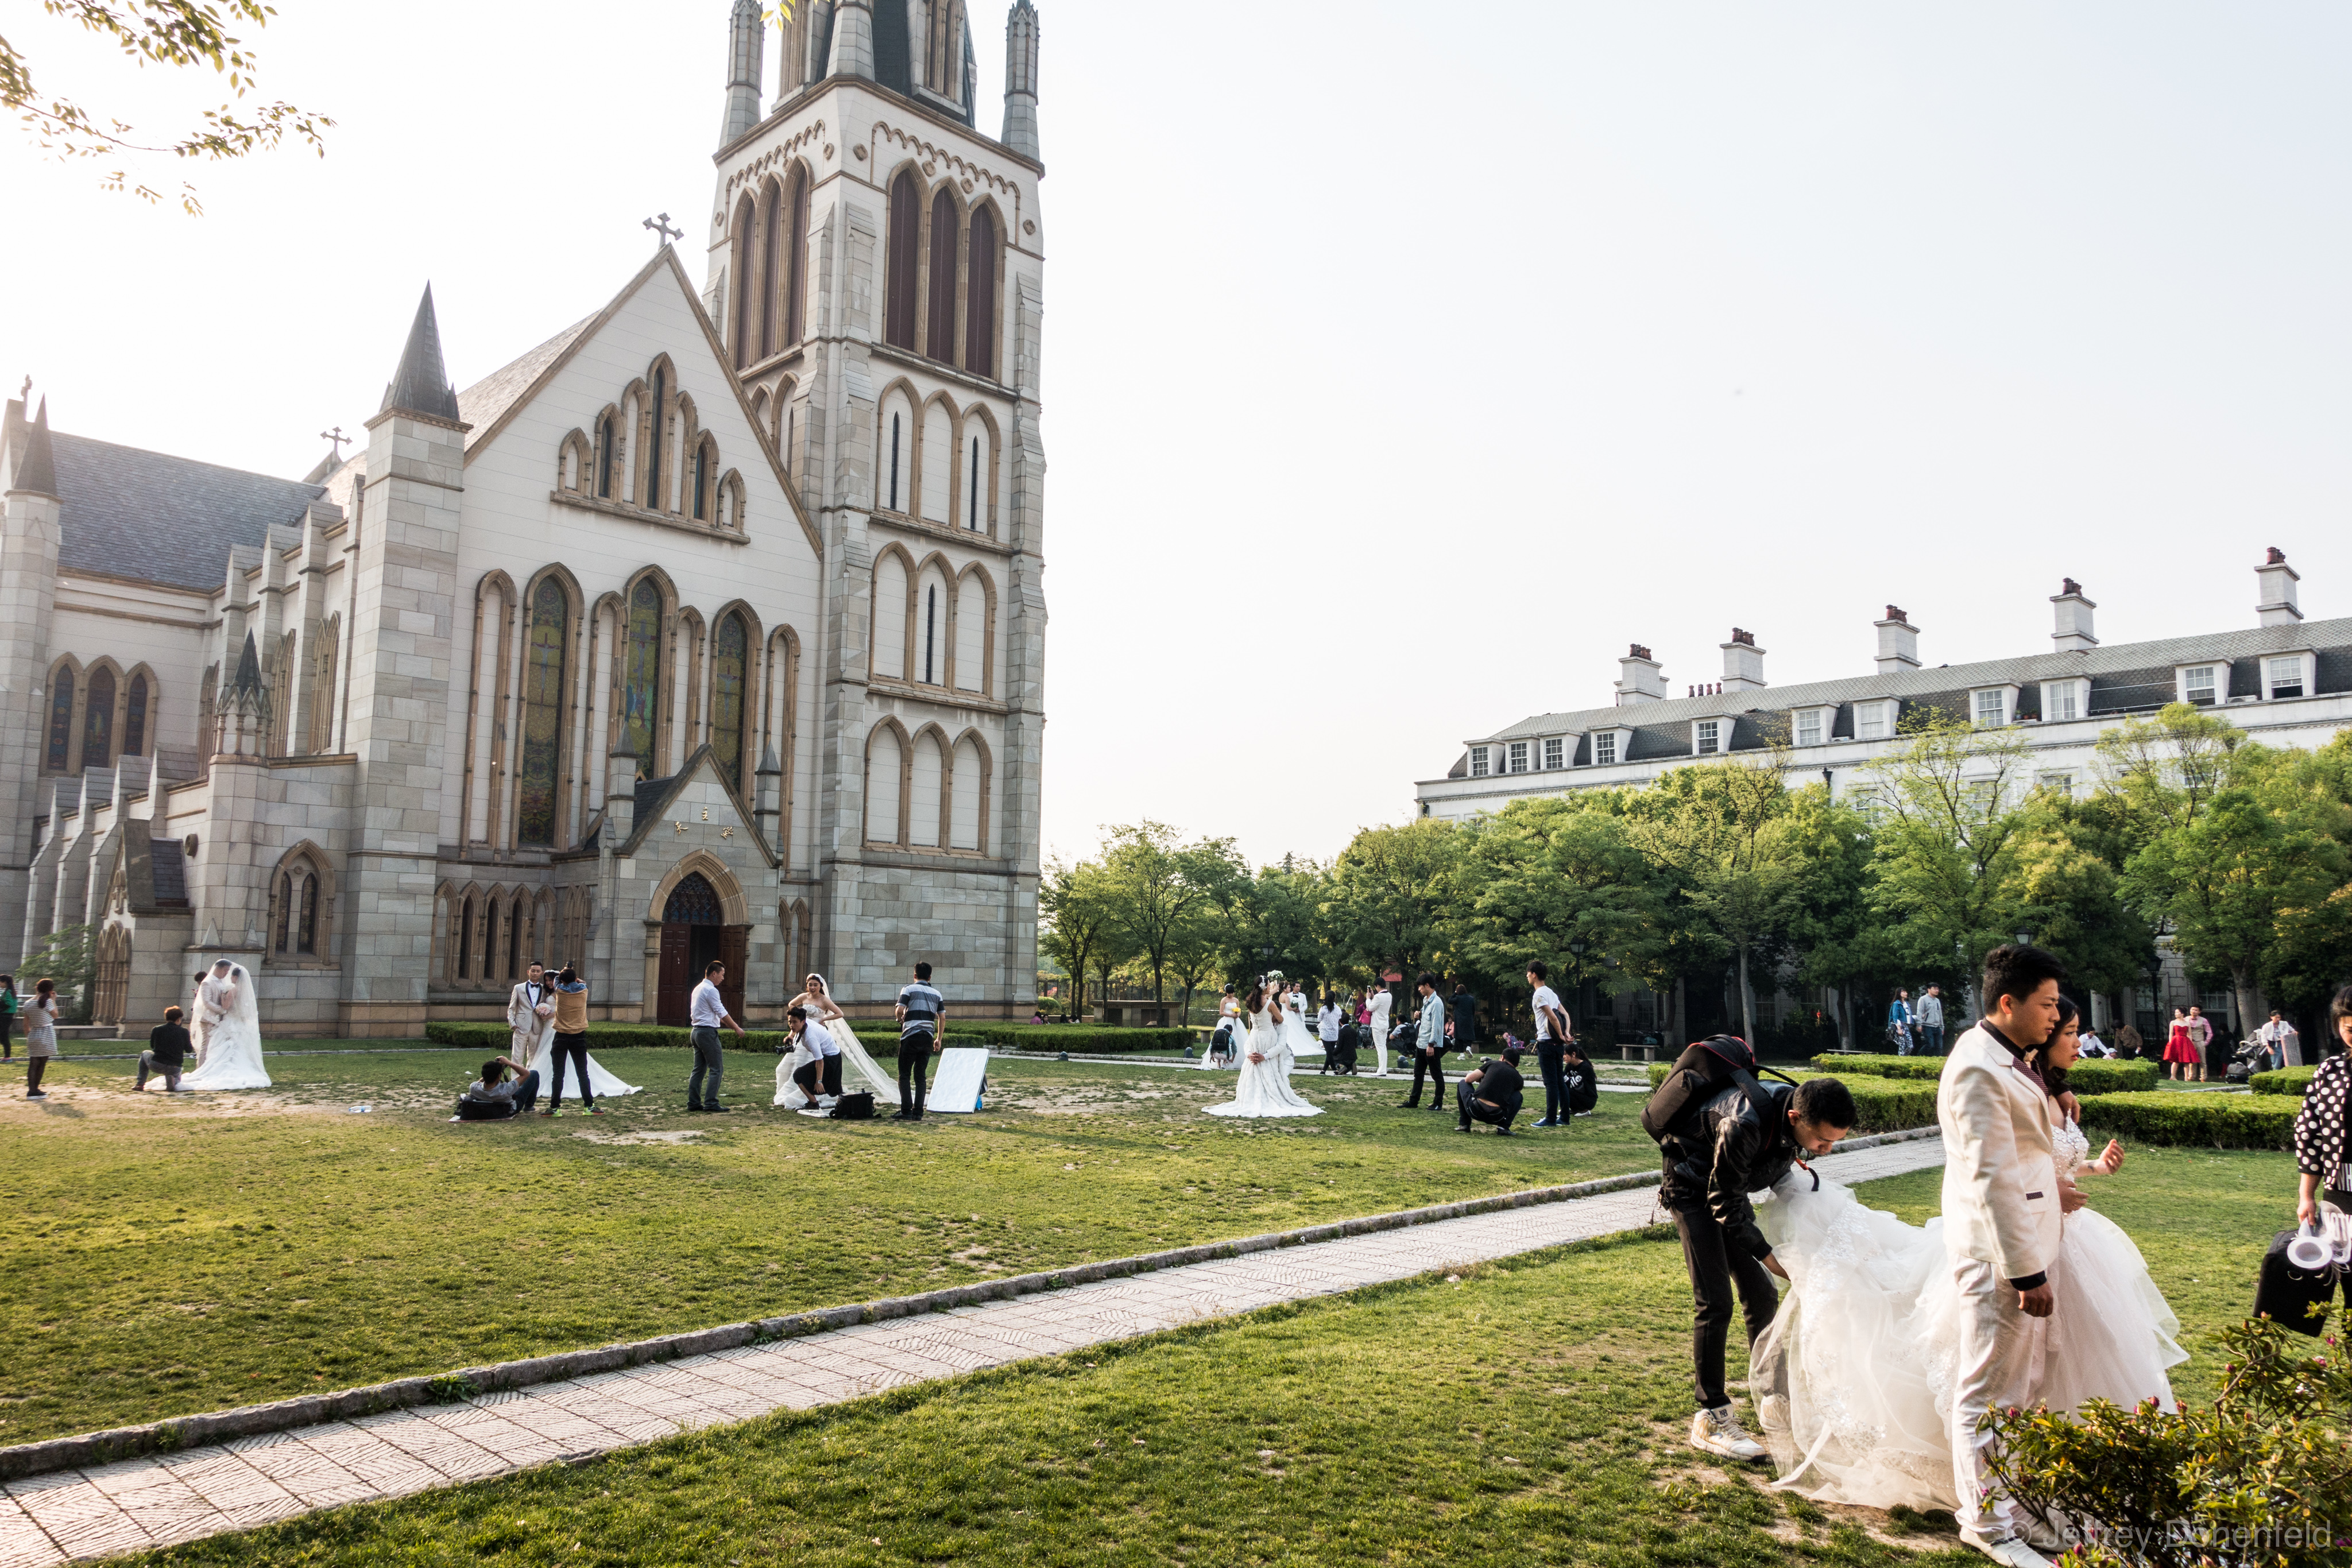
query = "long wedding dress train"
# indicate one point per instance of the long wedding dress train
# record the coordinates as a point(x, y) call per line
point(1853, 1380)
point(1264, 1088)
point(232, 1047)
point(858, 1070)
point(602, 1083)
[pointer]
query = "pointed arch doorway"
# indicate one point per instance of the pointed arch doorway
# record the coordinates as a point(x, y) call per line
point(694, 932)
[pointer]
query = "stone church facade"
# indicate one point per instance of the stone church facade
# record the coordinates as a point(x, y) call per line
point(711, 627)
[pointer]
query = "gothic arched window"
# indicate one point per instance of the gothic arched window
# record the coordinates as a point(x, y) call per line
point(606, 457)
point(285, 914)
point(906, 260)
point(466, 939)
point(946, 230)
point(653, 444)
point(729, 647)
point(134, 722)
point(796, 257)
point(772, 244)
point(97, 721)
point(61, 699)
point(743, 211)
point(542, 713)
point(980, 304)
point(305, 938)
point(930, 634)
point(702, 483)
point(641, 675)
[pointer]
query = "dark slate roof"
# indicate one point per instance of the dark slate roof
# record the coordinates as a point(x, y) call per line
point(2124, 677)
point(131, 513)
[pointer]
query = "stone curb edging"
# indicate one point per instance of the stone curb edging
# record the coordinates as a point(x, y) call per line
point(94, 1448)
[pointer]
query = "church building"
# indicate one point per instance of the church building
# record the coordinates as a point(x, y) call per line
point(712, 627)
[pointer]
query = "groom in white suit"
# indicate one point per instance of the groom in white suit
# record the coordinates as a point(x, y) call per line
point(530, 1013)
point(2000, 1232)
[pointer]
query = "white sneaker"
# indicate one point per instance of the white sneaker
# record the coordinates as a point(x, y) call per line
point(2012, 1550)
point(827, 1102)
point(2042, 1536)
point(1718, 1432)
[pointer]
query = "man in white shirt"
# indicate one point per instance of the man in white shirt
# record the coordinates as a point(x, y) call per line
point(1326, 1029)
point(709, 1011)
point(820, 1076)
point(1381, 1002)
point(530, 1013)
point(2281, 1043)
point(1551, 1043)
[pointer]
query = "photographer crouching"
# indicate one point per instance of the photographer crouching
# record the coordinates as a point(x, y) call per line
point(1721, 1135)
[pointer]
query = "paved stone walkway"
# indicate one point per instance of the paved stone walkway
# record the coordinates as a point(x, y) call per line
point(164, 1498)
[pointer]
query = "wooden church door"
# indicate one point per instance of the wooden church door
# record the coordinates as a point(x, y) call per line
point(690, 939)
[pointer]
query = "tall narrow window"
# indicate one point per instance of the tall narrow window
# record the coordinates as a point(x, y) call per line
point(514, 940)
point(606, 457)
point(134, 719)
point(727, 652)
point(97, 722)
point(466, 941)
point(947, 233)
point(771, 246)
point(542, 713)
point(972, 491)
point(931, 632)
point(906, 260)
point(305, 938)
point(980, 297)
point(796, 258)
point(285, 914)
point(702, 483)
point(897, 442)
point(654, 432)
point(641, 676)
point(743, 285)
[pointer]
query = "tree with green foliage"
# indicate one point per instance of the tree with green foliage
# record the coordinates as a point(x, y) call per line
point(1391, 897)
point(69, 957)
point(1079, 926)
point(1950, 818)
point(177, 33)
point(1561, 879)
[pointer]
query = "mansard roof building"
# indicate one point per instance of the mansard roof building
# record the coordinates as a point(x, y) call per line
point(2286, 680)
point(712, 627)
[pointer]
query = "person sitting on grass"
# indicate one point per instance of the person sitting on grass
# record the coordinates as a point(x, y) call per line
point(167, 1053)
point(1492, 1092)
point(496, 1097)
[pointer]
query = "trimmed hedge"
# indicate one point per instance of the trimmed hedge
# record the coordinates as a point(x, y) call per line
point(879, 1036)
point(2210, 1120)
point(1881, 1104)
point(2285, 1081)
point(2088, 1076)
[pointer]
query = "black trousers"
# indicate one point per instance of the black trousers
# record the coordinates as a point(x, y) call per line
point(822, 1076)
point(1551, 1054)
point(572, 1048)
point(1716, 1279)
point(914, 1069)
point(1465, 1096)
point(1433, 1064)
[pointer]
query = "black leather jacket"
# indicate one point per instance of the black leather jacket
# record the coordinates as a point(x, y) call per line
point(1717, 1154)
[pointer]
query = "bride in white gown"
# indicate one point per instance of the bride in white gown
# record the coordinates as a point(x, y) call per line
point(1853, 1379)
point(231, 1019)
point(859, 1070)
point(1264, 1088)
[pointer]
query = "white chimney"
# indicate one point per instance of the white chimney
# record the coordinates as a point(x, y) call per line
point(2074, 632)
point(1743, 662)
point(1640, 678)
point(2278, 607)
point(1898, 644)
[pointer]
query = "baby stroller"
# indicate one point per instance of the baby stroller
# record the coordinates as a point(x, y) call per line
point(2251, 1057)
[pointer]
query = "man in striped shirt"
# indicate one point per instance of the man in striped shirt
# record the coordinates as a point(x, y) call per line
point(919, 1007)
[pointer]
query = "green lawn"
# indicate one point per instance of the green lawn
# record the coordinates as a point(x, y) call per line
point(1528, 1413)
point(166, 1257)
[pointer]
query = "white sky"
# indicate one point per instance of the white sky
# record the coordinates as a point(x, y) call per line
point(1403, 363)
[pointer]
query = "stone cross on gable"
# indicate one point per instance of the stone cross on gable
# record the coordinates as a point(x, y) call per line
point(662, 233)
point(337, 439)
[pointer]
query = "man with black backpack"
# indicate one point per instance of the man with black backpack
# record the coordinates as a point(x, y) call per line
point(1721, 1135)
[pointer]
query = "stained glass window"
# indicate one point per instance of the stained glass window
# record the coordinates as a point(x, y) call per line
point(726, 659)
point(134, 722)
point(542, 713)
point(61, 695)
point(98, 724)
point(308, 941)
point(284, 912)
point(641, 676)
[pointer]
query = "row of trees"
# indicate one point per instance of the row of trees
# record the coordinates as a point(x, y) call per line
point(1739, 877)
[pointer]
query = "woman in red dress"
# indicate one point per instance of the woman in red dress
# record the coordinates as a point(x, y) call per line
point(2181, 1051)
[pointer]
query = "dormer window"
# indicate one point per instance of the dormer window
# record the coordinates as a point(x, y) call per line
point(1555, 754)
point(1989, 708)
point(1874, 720)
point(2286, 675)
point(2063, 701)
point(1812, 726)
point(1478, 766)
point(2200, 684)
point(1606, 748)
point(1707, 737)
point(1518, 756)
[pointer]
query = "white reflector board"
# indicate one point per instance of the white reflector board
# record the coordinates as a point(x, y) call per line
point(962, 1074)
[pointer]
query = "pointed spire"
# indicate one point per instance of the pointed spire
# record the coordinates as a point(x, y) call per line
point(37, 471)
point(853, 40)
point(747, 42)
point(421, 385)
point(1021, 81)
point(248, 670)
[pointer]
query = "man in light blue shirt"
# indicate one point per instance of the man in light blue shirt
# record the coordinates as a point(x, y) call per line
point(1429, 1045)
point(709, 1011)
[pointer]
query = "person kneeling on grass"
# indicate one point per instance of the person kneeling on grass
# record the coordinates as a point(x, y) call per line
point(167, 1053)
point(498, 1097)
point(1492, 1092)
point(1741, 1139)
